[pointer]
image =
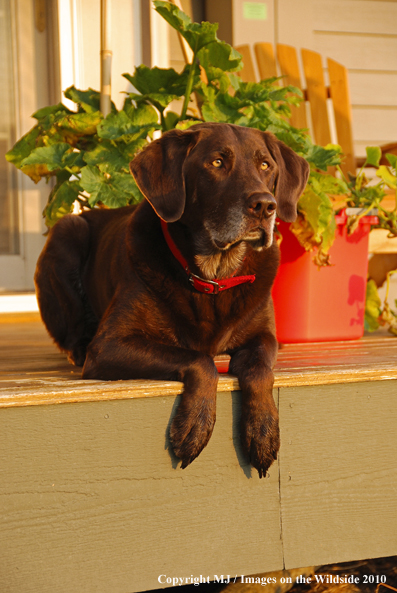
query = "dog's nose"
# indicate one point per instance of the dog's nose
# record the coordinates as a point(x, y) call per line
point(261, 205)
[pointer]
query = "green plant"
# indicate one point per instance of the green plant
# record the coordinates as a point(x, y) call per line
point(366, 197)
point(89, 155)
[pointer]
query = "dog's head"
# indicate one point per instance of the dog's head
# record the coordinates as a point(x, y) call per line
point(225, 182)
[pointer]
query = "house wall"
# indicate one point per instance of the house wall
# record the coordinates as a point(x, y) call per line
point(361, 34)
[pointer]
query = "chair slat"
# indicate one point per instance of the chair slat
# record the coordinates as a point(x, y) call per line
point(289, 66)
point(340, 94)
point(316, 95)
point(265, 60)
point(248, 71)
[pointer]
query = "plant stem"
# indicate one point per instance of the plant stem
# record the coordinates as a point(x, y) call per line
point(189, 86)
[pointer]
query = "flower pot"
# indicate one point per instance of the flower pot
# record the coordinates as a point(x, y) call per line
point(315, 305)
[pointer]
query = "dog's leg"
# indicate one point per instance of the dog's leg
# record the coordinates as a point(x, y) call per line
point(63, 305)
point(259, 418)
point(138, 358)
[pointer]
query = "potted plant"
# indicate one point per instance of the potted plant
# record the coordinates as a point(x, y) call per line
point(87, 156)
point(328, 301)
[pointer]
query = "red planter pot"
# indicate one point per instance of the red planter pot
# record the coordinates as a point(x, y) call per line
point(315, 305)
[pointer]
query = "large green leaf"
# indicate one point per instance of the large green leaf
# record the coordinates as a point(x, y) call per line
point(324, 157)
point(140, 122)
point(46, 159)
point(327, 184)
point(61, 201)
point(160, 86)
point(43, 160)
point(106, 153)
point(315, 225)
point(197, 35)
point(89, 100)
point(220, 55)
point(253, 105)
point(52, 109)
point(81, 124)
point(112, 189)
point(158, 80)
point(294, 139)
point(22, 149)
point(217, 107)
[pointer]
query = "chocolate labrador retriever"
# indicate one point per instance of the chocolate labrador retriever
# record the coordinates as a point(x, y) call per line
point(155, 291)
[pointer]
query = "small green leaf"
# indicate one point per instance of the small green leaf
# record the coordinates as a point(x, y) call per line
point(374, 154)
point(392, 158)
point(170, 120)
point(384, 173)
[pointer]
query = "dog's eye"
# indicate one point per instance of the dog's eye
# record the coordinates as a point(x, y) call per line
point(264, 166)
point(217, 163)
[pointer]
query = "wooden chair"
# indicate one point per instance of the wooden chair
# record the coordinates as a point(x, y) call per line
point(315, 93)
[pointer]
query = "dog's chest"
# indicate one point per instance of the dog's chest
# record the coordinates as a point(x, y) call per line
point(211, 323)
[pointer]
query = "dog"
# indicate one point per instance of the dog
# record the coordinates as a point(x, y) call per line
point(156, 291)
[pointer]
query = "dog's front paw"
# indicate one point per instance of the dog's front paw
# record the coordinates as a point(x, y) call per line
point(260, 437)
point(192, 427)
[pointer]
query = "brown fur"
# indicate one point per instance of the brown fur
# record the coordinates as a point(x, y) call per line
point(114, 298)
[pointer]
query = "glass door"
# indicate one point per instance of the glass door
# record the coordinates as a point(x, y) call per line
point(9, 211)
point(28, 81)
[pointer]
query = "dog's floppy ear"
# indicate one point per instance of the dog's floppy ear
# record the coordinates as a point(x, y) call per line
point(158, 172)
point(293, 172)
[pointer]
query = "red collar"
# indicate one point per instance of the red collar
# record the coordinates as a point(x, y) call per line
point(207, 286)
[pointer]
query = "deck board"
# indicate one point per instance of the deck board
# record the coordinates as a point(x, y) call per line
point(34, 372)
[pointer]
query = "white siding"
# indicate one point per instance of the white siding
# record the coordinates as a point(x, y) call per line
point(362, 35)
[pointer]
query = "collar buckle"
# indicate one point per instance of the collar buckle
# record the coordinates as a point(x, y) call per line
point(193, 279)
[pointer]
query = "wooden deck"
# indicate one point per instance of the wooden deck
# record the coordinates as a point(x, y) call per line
point(93, 499)
point(34, 372)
